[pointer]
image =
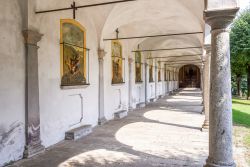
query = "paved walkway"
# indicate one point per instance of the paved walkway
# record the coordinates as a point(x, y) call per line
point(164, 134)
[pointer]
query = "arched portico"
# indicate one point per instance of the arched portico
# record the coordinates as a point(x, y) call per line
point(165, 39)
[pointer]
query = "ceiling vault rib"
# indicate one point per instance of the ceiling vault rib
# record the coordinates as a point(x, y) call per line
point(153, 36)
point(173, 65)
point(155, 50)
point(166, 57)
point(180, 61)
point(73, 7)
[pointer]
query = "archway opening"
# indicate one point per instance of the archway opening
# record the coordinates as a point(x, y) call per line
point(189, 77)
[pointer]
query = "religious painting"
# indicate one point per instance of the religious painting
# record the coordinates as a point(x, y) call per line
point(73, 53)
point(117, 62)
point(170, 76)
point(165, 72)
point(151, 68)
point(138, 67)
point(159, 72)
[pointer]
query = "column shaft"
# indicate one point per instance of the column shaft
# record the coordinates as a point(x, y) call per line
point(146, 83)
point(32, 115)
point(130, 95)
point(206, 90)
point(220, 115)
point(156, 81)
point(101, 117)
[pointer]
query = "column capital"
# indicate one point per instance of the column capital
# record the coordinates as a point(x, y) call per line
point(32, 37)
point(130, 60)
point(202, 67)
point(101, 54)
point(220, 19)
point(207, 52)
point(207, 48)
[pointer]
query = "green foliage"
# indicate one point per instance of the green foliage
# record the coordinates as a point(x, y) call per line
point(241, 116)
point(243, 85)
point(240, 43)
point(241, 112)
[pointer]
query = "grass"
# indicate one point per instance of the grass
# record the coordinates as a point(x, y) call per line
point(241, 118)
point(241, 112)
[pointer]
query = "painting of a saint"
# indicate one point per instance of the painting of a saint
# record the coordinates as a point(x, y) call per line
point(165, 73)
point(117, 62)
point(151, 79)
point(159, 72)
point(72, 53)
point(138, 74)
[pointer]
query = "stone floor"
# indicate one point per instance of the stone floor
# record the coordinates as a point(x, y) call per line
point(164, 134)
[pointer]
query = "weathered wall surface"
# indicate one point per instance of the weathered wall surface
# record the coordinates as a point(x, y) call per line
point(12, 87)
point(60, 110)
point(225, 4)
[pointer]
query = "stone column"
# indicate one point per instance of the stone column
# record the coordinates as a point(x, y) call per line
point(168, 83)
point(130, 100)
point(202, 84)
point(32, 115)
point(156, 80)
point(202, 79)
point(146, 83)
point(202, 87)
point(206, 89)
point(101, 116)
point(220, 116)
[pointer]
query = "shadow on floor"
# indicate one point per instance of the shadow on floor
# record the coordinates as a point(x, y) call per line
point(104, 148)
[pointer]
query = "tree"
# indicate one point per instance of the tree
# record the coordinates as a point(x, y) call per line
point(240, 48)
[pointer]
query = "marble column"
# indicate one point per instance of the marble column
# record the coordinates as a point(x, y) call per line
point(130, 95)
point(220, 115)
point(156, 80)
point(206, 88)
point(101, 116)
point(146, 82)
point(32, 116)
point(202, 84)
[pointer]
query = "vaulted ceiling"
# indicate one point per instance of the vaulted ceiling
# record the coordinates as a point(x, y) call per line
point(149, 17)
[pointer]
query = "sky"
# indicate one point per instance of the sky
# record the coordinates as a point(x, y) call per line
point(244, 4)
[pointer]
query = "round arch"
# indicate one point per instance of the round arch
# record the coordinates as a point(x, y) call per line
point(189, 76)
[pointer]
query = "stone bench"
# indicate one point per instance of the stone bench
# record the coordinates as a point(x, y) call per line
point(121, 114)
point(78, 133)
point(140, 105)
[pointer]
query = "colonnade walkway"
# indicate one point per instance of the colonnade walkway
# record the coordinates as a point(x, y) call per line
point(166, 133)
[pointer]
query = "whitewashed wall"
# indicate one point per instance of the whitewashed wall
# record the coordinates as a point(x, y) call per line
point(61, 109)
point(115, 95)
point(12, 86)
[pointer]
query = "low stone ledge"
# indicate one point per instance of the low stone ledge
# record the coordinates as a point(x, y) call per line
point(152, 100)
point(121, 114)
point(78, 133)
point(140, 105)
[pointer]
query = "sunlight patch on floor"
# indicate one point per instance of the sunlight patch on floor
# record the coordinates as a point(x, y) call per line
point(99, 157)
point(161, 140)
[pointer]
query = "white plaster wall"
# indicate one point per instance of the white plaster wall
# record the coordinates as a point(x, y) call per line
point(138, 89)
point(215, 4)
point(61, 109)
point(12, 87)
point(151, 94)
point(115, 96)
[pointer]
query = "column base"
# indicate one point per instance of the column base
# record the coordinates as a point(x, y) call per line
point(205, 126)
point(203, 110)
point(102, 121)
point(219, 164)
point(130, 109)
point(32, 150)
point(216, 165)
